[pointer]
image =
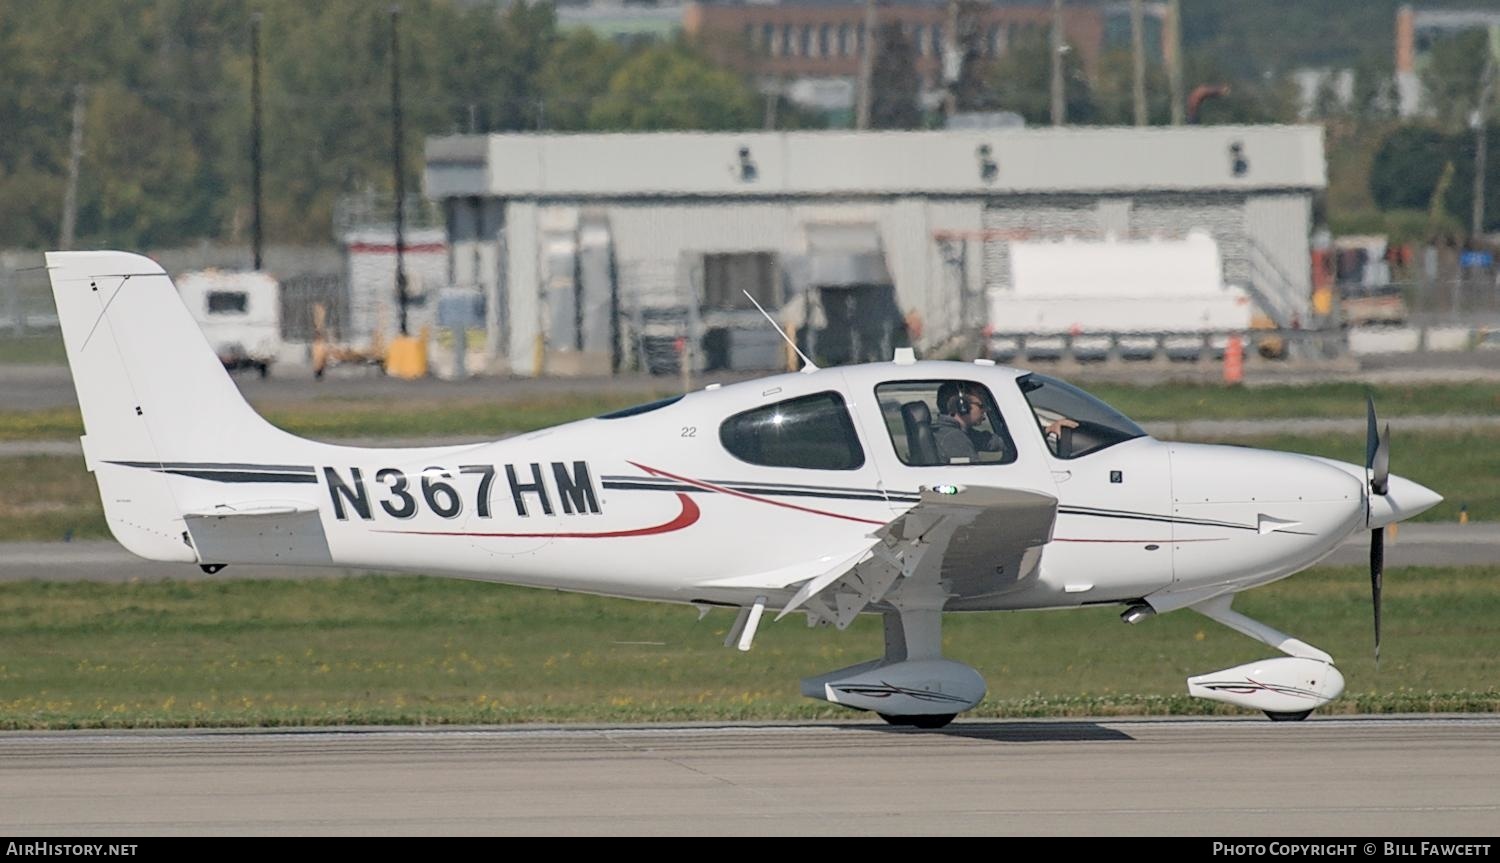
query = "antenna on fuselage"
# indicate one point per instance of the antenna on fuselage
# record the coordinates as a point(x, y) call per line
point(808, 365)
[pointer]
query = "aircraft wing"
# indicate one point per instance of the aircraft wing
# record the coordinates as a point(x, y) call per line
point(963, 541)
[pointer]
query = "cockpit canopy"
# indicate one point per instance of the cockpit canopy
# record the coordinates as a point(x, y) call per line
point(1055, 403)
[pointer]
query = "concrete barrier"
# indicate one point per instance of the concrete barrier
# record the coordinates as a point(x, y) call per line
point(1449, 338)
point(1384, 340)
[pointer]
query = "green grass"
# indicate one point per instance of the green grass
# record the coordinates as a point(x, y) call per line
point(49, 498)
point(1464, 467)
point(44, 349)
point(47, 424)
point(377, 649)
point(1292, 401)
point(406, 417)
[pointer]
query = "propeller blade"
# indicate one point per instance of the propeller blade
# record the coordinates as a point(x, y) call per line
point(1372, 432)
point(1377, 573)
point(1380, 482)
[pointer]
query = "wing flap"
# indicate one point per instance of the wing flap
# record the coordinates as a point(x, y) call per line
point(979, 537)
point(827, 566)
point(958, 541)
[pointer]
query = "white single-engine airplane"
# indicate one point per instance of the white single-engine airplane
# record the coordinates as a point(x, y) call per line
point(907, 489)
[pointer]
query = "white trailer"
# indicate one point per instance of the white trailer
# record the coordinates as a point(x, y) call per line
point(1098, 292)
point(239, 313)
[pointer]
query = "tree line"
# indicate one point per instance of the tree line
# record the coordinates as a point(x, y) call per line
point(164, 89)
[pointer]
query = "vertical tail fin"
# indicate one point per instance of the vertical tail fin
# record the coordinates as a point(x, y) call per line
point(153, 395)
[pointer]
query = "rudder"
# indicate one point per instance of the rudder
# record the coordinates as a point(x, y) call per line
point(152, 393)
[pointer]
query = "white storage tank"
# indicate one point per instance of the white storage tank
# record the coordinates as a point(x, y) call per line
point(1152, 286)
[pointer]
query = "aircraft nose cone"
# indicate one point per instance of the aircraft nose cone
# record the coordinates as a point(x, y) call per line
point(1220, 474)
point(1403, 500)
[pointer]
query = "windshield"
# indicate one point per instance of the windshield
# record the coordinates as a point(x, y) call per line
point(1074, 422)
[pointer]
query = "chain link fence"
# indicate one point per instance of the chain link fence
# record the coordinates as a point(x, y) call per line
point(26, 307)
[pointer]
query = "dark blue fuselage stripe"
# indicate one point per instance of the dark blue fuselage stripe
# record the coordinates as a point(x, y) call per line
point(741, 485)
point(244, 476)
point(1142, 516)
point(235, 473)
point(875, 497)
point(641, 486)
point(219, 466)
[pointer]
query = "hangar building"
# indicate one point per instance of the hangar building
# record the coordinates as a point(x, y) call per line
point(608, 251)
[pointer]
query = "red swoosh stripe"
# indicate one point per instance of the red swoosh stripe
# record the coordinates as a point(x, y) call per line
point(1162, 541)
point(686, 518)
point(722, 490)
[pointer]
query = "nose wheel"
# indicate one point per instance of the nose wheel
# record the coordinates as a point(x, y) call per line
point(1285, 689)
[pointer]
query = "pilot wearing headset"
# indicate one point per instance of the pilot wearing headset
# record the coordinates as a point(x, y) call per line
point(955, 431)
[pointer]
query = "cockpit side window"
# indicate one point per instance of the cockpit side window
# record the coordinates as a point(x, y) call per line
point(944, 422)
point(1074, 422)
point(813, 432)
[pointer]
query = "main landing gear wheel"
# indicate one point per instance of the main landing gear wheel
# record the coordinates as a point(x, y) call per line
point(926, 720)
point(1294, 716)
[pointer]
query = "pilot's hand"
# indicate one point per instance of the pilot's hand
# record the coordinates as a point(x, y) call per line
point(1055, 427)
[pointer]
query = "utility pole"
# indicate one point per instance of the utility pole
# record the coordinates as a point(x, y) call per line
point(75, 160)
point(1173, 39)
point(953, 62)
point(401, 298)
point(866, 70)
point(1059, 107)
point(1480, 143)
point(1480, 121)
point(1138, 54)
point(257, 236)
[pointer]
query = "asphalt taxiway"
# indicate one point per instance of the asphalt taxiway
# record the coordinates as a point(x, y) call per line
point(1356, 776)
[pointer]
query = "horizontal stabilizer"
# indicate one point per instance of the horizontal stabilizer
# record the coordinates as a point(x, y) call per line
point(253, 510)
point(283, 534)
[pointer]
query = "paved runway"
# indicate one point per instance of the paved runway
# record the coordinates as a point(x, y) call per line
point(105, 560)
point(1338, 776)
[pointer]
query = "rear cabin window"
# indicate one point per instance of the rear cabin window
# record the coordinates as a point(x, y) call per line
point(812, 432)
point(944, 422)
point(226, 302)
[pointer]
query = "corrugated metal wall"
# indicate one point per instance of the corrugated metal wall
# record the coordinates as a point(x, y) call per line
point(1042, 216)
point(474, 226)
point(1262, 238)
point(1222, 215)
point(1278, 228)
point(373, 304)
point(952, 293)
point(522, 285)
point(650, 238)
